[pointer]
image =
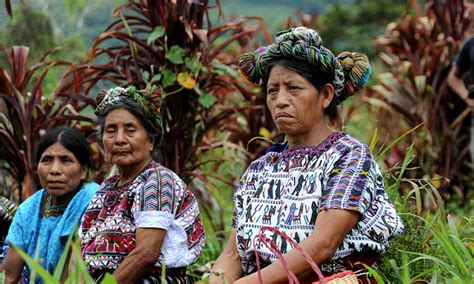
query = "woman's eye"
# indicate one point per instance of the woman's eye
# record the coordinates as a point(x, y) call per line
point(66, 160)
point(45, 159)
point(131, 130)
point(293, 88)
point(271, 91)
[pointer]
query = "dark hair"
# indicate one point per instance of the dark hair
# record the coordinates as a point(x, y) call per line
point(151, 126)
point(70, 139)
point(317, 78)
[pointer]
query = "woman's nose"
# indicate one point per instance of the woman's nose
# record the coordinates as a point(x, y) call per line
point(282, 98)
point(120, 138)
point(55, 168)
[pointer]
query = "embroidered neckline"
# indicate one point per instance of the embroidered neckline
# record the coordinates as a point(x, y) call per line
point(321, 147)
point(111, 183)
point(49, 210)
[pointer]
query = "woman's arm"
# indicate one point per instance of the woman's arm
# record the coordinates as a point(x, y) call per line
point(228, 263)
point(142, 257)
point(12, 266)
point(330, 229)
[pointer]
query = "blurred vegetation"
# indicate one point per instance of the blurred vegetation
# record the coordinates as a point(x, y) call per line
point(354, 25)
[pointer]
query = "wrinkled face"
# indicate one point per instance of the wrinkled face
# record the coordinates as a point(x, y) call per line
point(125, 140)
point(297, 107)
point(60, 172)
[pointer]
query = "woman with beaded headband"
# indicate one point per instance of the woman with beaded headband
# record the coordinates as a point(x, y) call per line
point(144, 217)
point(321, 187)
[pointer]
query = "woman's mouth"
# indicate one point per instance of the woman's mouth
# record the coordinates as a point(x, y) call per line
point(282, 115)
point(55, 184)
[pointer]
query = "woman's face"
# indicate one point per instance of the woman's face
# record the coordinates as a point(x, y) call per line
point(297, 107)
point(125, 140)
point(60, 172)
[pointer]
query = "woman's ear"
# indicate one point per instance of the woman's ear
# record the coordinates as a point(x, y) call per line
point(152, 144)
point(328, 95)
point(84, 172)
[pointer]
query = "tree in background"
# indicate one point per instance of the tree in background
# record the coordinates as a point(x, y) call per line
point(30, 27)
point(354, 25)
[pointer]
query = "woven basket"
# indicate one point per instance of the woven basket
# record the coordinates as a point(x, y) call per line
point(346, 277)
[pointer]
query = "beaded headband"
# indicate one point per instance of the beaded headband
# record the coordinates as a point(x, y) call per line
point(349, 70)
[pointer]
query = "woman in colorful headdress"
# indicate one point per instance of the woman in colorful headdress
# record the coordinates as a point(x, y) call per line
point(321, 187)
point(143, 219)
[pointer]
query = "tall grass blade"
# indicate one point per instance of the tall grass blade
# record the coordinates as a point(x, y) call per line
point(35, 267)
point(383, 151)
point(64, 257)
point(373, 141)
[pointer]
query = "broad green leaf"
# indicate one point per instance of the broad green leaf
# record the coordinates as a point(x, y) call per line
point(192, 64)
point(156, 78)
point(175, 54)
point(207, 100)
point(169, 78)
point(157, 33)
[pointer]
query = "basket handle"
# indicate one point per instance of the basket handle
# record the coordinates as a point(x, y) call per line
point(272, 246)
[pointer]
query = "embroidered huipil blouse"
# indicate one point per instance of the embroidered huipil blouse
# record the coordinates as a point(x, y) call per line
point(287, 188)
point(157, 198)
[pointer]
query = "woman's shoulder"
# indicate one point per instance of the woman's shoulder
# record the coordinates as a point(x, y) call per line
point(157, 169)
point(349, 144)
point(89, 188)
point(32, 200)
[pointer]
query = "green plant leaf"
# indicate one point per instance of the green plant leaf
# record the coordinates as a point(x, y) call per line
point(222, 69)
point(156, 78)
point(109, 279)
point(169, 78)
point(43, 273)
point(175, 54)
point(207, 100)
point(156, 34)
point(420, 83)
point(64, 256)
point(145, 75)
point(382, 151)
point(373, 141)
point(192, 64)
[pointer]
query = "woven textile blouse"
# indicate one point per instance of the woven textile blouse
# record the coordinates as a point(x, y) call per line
point(156, 198)
point(287, 188)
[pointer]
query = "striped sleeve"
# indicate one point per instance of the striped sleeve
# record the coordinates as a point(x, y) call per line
point(351, 182)
point(156, 200)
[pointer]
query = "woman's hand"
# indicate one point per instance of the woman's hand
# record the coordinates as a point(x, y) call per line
point(330, 229)
point(143, 257)
point(12, 266)
point(227, 266)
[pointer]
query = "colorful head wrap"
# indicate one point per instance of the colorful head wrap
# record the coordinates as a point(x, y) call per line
point(148, 99)
point(349, 70)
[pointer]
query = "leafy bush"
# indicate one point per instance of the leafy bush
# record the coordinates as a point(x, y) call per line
point(418, 52)
point(26, 112)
